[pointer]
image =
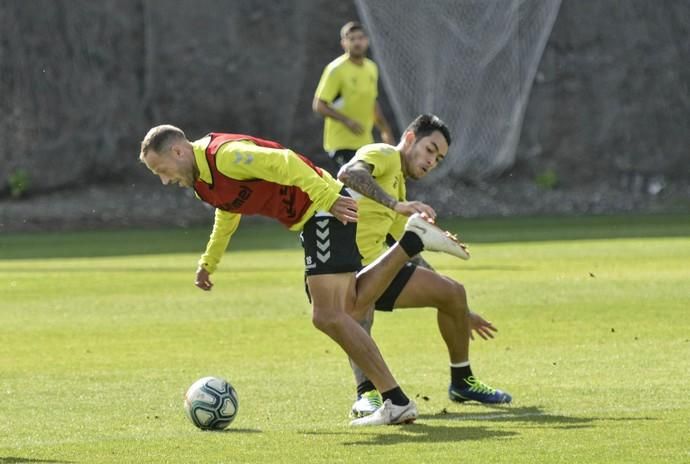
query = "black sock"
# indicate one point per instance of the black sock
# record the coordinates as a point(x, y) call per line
point(396, 396)
point(365, 387)
point(411, 244)
point(458, 374)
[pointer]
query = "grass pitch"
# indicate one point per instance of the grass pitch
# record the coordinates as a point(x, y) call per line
point(101, 333)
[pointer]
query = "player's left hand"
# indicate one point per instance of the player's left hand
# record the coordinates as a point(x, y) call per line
point(480, 325)
point(408, 208)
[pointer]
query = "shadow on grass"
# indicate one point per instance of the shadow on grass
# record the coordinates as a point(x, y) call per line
point(265, 235)
point(231, 430)
point(528, 415)
point(426, 433)
point(420, 433)
point(509, 414)
point(17, 460)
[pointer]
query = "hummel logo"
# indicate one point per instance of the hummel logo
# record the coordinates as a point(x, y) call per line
point(323, 257)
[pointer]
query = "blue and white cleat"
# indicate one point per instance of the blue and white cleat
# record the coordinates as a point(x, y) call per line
point(476, 390)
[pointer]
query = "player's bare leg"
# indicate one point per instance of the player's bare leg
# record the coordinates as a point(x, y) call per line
point(373, 280)
point(424, 289)
point(332, 295)
point(420, 234)
point(429, 289)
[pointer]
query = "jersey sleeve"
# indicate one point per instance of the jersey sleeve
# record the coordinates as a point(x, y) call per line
point(224, 225)
point(329, 85)
point(381, 157)
point(245, 161)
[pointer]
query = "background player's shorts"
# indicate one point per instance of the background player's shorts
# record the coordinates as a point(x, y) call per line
point(330, 247)
point(387, 300)
point(342, 156)
point(336, 160)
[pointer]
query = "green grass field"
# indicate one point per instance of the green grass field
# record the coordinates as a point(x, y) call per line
point(102, 332)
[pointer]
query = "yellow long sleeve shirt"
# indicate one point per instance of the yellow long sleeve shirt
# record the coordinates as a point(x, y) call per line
point(244, 160)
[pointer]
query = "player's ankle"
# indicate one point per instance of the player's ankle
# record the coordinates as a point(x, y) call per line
point(458, 373)
point(411, 243)
point(397, 396)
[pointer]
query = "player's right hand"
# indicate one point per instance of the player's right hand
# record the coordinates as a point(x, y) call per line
point(203, 279)
point(344, 209)
point(408, 208)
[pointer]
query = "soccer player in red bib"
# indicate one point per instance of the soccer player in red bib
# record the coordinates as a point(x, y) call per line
point(241, 174)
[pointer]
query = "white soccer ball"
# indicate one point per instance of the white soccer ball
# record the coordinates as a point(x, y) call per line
point(211, 403)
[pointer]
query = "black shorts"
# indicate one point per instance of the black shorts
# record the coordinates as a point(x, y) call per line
point(330, 247)
point(387, 301)
point(342, 156)
point(336, 160)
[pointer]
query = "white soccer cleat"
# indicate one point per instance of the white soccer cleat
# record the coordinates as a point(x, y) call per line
point(389, 414)
point(436, 239)
point(367, 404)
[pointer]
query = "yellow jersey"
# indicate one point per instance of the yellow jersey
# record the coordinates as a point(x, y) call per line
point(375, 220)
point(352, 90)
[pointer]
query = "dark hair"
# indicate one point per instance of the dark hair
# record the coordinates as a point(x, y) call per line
point(351, 27)
point(427, 124)
point(158, 139)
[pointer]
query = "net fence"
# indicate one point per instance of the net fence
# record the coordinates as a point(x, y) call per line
point(471, 62)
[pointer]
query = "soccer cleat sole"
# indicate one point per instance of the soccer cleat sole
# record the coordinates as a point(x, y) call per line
point(456, 398)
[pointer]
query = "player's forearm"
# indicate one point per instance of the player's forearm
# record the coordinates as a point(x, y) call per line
point(383, 127)
point(224, 226)
point(325, 110)
point(380, 120)
point(361, 181)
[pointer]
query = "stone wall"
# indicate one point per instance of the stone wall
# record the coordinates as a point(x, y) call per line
point(82, 81)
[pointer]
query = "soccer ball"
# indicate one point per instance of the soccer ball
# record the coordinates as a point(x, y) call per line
point(211, 403)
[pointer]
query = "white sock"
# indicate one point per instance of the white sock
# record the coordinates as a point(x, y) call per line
point(460, 364)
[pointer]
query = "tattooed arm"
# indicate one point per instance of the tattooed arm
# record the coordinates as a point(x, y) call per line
point(358, 177)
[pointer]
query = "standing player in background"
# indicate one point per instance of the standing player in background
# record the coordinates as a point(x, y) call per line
point(378, 172)
point(347, 99)
point(240, 174)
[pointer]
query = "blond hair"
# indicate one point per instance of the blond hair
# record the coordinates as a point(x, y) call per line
point(159, 138)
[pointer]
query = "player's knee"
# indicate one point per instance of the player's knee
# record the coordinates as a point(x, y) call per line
point(324, 321)
point(457, 295)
